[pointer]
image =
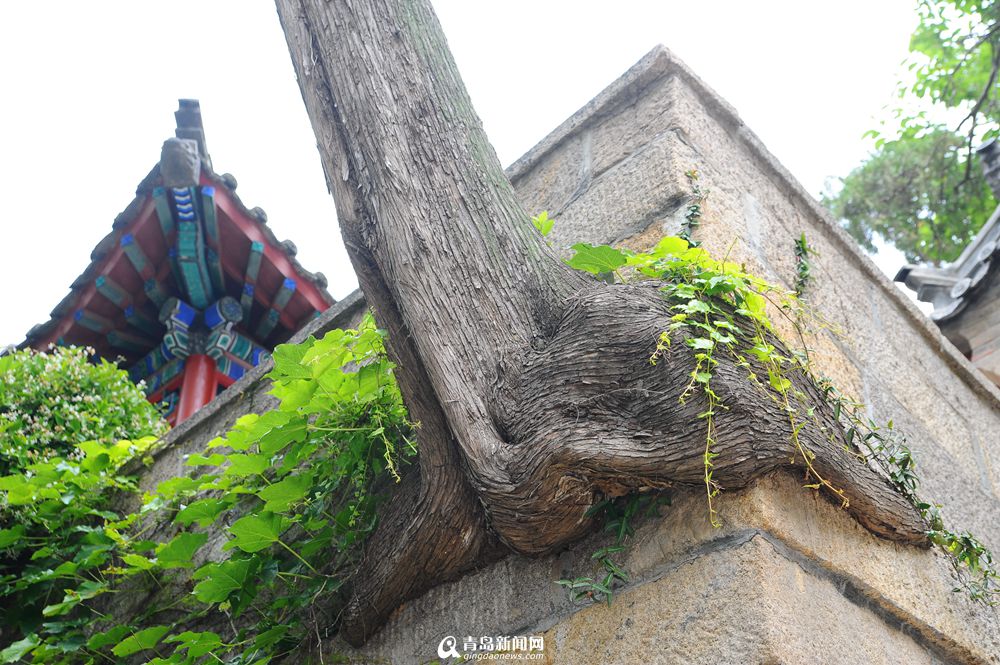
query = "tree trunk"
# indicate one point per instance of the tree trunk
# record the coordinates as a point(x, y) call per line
point(532, 381)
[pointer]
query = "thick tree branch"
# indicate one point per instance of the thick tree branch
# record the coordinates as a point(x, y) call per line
point(584, 418)
point(435, 528)
point(533, 384)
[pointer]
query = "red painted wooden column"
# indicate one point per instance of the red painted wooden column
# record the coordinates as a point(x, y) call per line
point(198, 386)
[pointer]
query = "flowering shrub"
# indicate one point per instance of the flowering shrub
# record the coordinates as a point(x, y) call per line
point(51, 402)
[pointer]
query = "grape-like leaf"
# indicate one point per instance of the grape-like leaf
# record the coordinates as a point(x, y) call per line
point(197, 644)
point(179, 551)
point(279, 496)
point(144, 639)
point(220, 580)
point(255, 532)
point(596, 259)
point(203, 511)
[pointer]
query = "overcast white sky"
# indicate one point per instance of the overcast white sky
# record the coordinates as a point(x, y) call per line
point(89, 90)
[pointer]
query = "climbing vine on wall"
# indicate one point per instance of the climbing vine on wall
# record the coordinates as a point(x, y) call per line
point(886, 447)
point(294, 490)
point(693, 212)
point(803, 264)
point(720, 308)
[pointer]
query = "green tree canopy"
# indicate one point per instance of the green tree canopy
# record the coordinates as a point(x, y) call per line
point(909, 194)
point(922, 189)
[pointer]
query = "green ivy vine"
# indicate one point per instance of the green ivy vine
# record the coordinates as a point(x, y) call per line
point(294, 490)
point(618, 517)
point(720, 308)
point(803, 264)
point(885, 447)
point(692, 215)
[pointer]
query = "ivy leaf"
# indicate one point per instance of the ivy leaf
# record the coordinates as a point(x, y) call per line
point(220, 580)
point(700, 343)
point(270, 637)
point(173, 487)
point(670, 246)
point(58, 609)
point(288, 361)
point(19, 649)
point(331, 351)
point(73, 597)
point(596, 259)
point(370, 377)
point(702, 377)
point(243, 433)
point(197, 644)
point(107, 638)
point(203, 511)
point(144, 639)
point(696, 306)
point(255, 532)
point(139, 561)
point(247, 465)
point(215, 459)
point(755, 305)
point(543, 223)
point(10, 536)
point(281, 436)
point(778, 382)
point(722, 323)
point(293, 394)
point(179, 551)
point(281, 495)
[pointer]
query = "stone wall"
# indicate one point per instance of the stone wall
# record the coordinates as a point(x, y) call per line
point(633, 144)
point(789, 578)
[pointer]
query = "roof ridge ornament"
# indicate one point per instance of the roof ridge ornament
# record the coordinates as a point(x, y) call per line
point(180, 165)
point(189, 126)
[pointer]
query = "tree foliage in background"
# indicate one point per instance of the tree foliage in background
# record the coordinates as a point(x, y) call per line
point(922, 188)
point(908, 193)
point(50, 402)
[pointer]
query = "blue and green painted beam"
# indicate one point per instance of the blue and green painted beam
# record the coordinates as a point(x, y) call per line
point(137, 257)
point(164, 213)
point(128, 342)
point(250, 278)
point(191, 250)
point(138, 319)
point(111, 290)
point(93, 321)
point(278, 303)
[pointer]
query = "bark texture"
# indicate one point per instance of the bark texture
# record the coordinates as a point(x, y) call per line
point(532, 382)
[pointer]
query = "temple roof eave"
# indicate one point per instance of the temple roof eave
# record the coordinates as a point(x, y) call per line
point(140, 205)
point(951, 287)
